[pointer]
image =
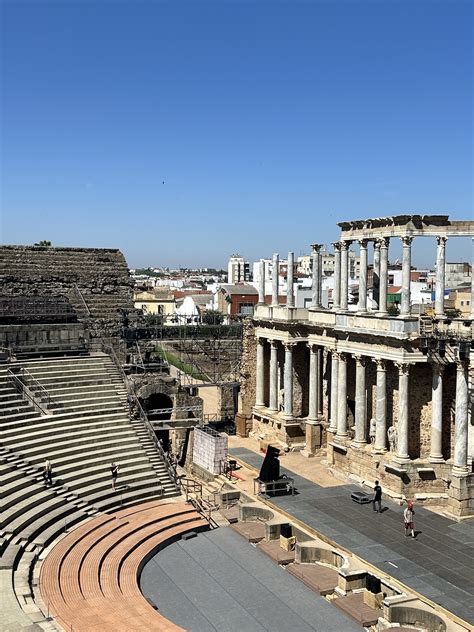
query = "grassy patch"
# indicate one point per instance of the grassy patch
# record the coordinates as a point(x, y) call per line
point(189, 369)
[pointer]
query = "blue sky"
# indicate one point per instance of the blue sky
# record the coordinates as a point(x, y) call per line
point(182, 132)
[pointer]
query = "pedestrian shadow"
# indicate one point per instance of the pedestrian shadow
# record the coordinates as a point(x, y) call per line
point(384, 509)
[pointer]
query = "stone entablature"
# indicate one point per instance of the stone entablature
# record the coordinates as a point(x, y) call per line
point(405, 226)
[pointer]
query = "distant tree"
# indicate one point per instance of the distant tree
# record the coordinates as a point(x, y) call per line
point(393, 309)
point(453, 312)
point(153, 320)
point(43, 243)
point(212, 317)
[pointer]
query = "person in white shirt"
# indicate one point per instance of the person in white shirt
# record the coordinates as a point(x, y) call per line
point(408, 518)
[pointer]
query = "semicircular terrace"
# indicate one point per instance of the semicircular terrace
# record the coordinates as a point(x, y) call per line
point(90, 579)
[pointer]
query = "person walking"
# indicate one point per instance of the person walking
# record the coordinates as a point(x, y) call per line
point(408, 519)
point(48, 472)
point(114, 469)
point(377, 502)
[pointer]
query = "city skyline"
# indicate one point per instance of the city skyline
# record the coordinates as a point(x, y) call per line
point(184, 132)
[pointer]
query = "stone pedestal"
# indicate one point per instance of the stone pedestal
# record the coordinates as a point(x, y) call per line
point(313, 438)
point(460, 502)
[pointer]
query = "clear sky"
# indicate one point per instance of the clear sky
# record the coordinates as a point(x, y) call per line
point(182, 132)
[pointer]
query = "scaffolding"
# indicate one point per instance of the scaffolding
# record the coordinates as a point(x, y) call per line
point(201, 354)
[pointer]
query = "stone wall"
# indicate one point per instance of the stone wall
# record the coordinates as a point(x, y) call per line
point(247, 393)
point(95, 280)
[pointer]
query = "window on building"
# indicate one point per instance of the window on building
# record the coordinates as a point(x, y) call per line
point(246, 309)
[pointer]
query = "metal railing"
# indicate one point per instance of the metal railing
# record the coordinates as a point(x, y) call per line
point(192, 491)
point(82, 299)
point(143, 416)
point(22, 388)
point(35, 386)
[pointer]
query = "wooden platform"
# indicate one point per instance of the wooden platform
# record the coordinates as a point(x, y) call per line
point(276, 553)
point(321, 579)
point(90, 580)
point(353, 604)
point(252, 531)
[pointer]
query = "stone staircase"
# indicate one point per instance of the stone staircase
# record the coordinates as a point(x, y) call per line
point(86, 428)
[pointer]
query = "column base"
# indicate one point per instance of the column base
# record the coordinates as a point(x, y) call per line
point(259, 406)
point(287, 417)
point(307, 454)
point(402, 459)
point(358, 444)
point(342, 435)
point(379, 450)
point(460, 471)
point(436, 458)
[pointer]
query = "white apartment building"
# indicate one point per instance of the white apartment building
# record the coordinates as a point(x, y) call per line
point(238, 270)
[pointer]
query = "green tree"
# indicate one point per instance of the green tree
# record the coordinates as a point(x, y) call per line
point(153, 320)
point(393, 309)
point(453, 312)
point(43, 243)
point(212, 317)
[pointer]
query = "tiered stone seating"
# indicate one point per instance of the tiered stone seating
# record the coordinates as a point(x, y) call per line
point(89, 581)
point(88, 429)
point(100, 275)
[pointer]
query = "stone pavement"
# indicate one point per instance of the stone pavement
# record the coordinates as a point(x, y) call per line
point(217, 582)
point(439, 563)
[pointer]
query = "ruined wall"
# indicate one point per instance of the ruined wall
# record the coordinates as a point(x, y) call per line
point(247, 393)
point(95, 280)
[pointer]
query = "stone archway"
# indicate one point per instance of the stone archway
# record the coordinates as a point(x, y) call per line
point(156, 401)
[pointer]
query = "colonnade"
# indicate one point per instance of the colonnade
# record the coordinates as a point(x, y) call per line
point(338, 419)
point(341, 276)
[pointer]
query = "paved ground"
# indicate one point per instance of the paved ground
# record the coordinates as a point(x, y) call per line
point(438, 564)
point(219, 582)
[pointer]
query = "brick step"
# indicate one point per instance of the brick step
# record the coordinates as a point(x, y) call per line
point(77, 391)
point(54, 431)
point(97, 403)
point(72, 461)
point(85, 417)
point(75, 448)
point(89, 436)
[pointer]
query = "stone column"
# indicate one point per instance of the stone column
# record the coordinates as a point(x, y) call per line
point(288, 378)
point(406, 276)
point(362, 307)
point(384, 243)
point(342, 397)
point(290, 297)
point(334, 391)
point(275, 279)
point(436, 448)
point(461, 428)
point(376, 275)
point(261, 282)
point(337, 275)
point(316, 277)
point(260, 391)
point(403, 416)
point(273, 375)
point(440, 276)
point(313, 382)
point(344, 273)
point(319, 378)
point(360, 402)
point(381, 407)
